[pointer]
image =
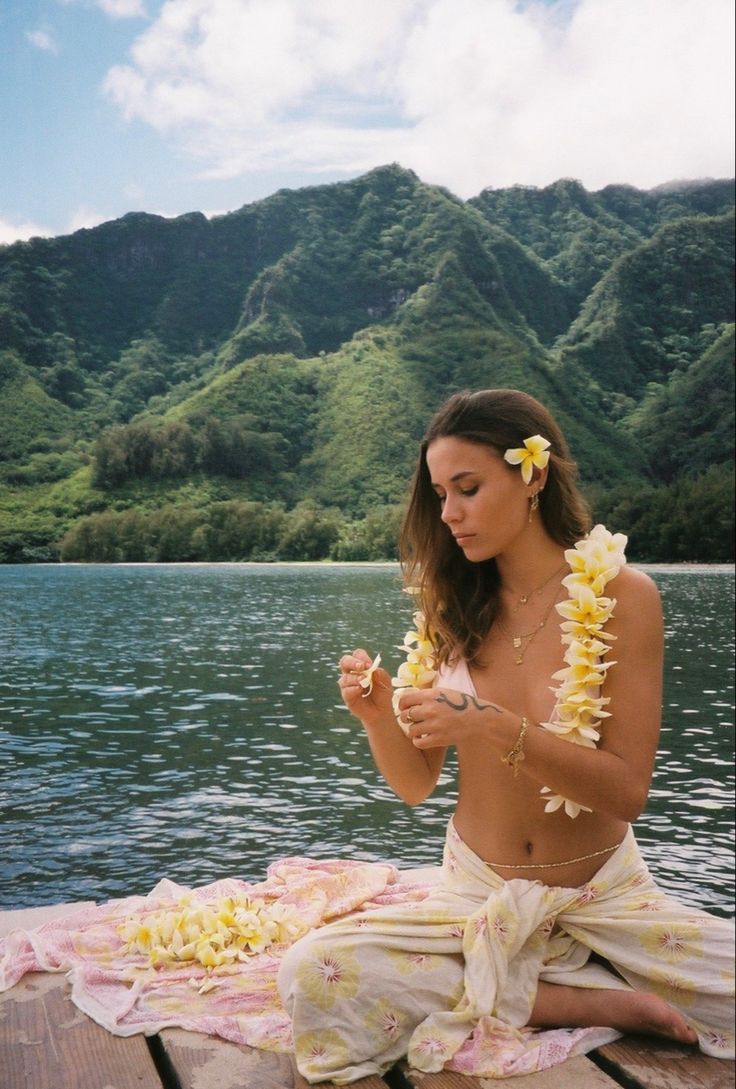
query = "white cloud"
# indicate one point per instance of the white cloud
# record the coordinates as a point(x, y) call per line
point(20, 230)
point(116, 9)
point(469, 93)
point(123, 9)
point(237, 65)
point(637, 91)
point(42, 40)
point(85, 216)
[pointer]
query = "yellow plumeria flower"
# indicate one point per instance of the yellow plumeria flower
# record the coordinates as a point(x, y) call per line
point(366, 677)
point(204, 988)
point(582, 674)
point(575, 732)
point(419, 670)
point(533, 453)
point(556, 800)
point(614, 543)
point(207, 956)
point(417, 640)
point(286, 921)
point(586, 610)
point(415, 672)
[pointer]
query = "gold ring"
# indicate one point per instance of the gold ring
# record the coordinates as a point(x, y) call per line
point(409, 717)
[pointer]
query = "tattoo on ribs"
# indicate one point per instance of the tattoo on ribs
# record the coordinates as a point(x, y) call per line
point(464, 701)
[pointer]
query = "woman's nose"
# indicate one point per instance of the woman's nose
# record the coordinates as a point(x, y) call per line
point(449, 514)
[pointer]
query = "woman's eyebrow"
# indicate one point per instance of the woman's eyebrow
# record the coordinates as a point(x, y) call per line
point(456, 477)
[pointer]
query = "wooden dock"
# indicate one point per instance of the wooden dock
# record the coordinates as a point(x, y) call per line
point(46, 1042)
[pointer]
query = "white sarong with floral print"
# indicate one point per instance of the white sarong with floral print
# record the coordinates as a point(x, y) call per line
point(451, 981)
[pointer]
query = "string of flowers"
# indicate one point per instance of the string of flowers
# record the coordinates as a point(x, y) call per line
point(419, 669)
point(213, 933)
point(578, 711)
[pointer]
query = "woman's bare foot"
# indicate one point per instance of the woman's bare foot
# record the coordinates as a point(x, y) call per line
point(558, 1006)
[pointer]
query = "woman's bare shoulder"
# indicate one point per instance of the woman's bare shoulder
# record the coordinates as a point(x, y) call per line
point(636, 595)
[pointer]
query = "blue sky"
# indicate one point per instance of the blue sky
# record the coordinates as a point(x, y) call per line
point(108, 106)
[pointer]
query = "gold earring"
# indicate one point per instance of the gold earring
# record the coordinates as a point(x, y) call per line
point(533, 504)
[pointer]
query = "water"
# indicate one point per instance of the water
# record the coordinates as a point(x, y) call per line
point(184, 721)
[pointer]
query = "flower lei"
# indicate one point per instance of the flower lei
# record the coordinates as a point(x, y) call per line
point(594, 561)
point(420, 667)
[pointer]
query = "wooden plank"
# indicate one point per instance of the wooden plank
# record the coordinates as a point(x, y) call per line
point(576, 1073)
point(46, 1043)
point(206, 1062)
point(659, 1064)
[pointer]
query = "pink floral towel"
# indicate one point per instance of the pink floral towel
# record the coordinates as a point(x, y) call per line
point(126, 994)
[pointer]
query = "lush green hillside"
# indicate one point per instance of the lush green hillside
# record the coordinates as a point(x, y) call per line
point(255, 384)
point(578, 235)
point(657, 308)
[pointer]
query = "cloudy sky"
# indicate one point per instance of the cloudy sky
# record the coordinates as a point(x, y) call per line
point(108, 106)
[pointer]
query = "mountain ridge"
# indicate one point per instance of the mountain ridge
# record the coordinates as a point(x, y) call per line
point(336, 318)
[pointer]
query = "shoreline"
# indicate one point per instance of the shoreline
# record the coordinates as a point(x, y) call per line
point(662, 566)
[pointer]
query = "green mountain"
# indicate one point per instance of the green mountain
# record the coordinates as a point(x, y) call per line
point(657, 308)
point(256, 384)
point(578, 235)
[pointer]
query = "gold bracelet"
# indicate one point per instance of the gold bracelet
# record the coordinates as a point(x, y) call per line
point(514, 758)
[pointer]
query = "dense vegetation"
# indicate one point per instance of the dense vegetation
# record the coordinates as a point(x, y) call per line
point(253, 386)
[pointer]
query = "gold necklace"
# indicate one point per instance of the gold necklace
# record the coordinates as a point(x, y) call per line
point(518, 641)
point(531, 593)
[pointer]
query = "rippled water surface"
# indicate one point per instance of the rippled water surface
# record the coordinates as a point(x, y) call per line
point(183, 721)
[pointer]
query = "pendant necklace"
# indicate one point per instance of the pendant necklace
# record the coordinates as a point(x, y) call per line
point(531, 593)
point(523, 641)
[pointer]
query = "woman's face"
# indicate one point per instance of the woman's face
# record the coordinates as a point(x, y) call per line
point(483, 503)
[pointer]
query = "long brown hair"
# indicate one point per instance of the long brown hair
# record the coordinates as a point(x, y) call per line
point(460, 599)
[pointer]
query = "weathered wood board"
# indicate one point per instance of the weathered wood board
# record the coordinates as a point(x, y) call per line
point(205, 1062)
point(577, 1073)
point(655, 1064)
point(47, 1043)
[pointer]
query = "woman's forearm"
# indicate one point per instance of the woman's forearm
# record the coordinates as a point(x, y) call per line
point(411, 773)
point(594, 778)
point(597, 778)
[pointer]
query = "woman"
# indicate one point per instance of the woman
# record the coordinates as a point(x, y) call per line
point(545, 916)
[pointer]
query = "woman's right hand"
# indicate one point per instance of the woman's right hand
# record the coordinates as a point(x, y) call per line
point(370, 706)
point(411, 773)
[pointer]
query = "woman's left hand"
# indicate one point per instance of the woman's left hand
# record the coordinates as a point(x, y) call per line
point(440, 717)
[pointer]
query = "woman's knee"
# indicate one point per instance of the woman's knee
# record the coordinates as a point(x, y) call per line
point(292, 959)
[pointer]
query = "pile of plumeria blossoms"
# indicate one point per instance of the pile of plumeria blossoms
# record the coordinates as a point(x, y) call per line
point(214, 934)
point(579, 707)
